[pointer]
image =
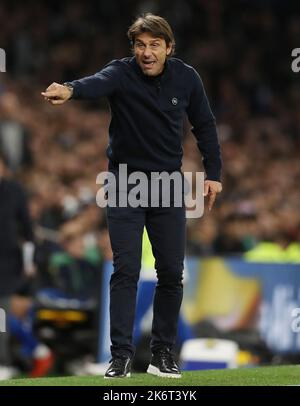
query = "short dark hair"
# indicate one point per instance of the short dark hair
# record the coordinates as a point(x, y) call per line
point(153, 24)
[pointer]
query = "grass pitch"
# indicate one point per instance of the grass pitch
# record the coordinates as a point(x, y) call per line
point(262, 376)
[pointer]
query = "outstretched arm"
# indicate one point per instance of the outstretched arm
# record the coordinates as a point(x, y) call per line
point(103, 83)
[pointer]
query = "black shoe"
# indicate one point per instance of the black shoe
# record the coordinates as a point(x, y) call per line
point(163, 364)
point(120, 368)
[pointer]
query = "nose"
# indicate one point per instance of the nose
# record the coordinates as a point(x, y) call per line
point(147, 52)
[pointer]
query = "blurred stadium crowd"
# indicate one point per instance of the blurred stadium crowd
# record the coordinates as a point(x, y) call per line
point(241, 50)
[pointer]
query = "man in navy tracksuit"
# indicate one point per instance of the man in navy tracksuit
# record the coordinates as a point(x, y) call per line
point(149, 96)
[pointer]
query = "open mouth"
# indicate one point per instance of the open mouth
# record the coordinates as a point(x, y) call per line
point(148, 64)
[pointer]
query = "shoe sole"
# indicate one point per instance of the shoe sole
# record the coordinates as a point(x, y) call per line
point(118, 377)
point(155, 371)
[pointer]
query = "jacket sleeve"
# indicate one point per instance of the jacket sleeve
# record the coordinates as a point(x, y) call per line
point(101, 84)
point(204, 128)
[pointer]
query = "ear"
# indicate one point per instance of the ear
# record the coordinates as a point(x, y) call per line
point(169, 48)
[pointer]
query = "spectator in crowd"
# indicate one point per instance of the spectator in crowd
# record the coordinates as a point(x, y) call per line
point(14, 138)
point(75, 271)
point(16, 252)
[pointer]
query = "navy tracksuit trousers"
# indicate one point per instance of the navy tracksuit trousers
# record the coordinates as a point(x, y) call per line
point(166, 230)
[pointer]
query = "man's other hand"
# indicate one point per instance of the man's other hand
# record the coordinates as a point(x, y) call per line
point(57, 94)
point(211, 188)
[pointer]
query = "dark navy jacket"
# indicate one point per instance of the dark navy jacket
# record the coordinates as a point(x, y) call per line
point(148, 114)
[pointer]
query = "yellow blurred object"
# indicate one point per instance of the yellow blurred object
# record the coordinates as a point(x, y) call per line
point(227, 299)
point(65, 316)
point(273, 252)
point(147, 255)
point(245, 358)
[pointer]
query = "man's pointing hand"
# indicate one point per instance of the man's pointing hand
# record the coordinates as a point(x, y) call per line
point(57, 94)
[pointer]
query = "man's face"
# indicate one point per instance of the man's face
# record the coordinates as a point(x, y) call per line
point(151, 53)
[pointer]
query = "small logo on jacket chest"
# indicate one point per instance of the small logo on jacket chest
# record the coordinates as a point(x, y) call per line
point(174, 101)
